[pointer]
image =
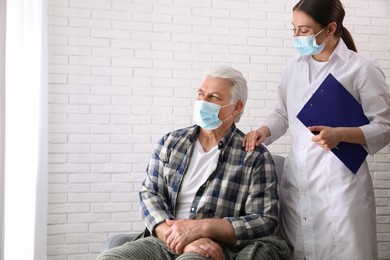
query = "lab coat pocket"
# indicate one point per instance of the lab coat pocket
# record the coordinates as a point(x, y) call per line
point(348, 192)
point(288, 181)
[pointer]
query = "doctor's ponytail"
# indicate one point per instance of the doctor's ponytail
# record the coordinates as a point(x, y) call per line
point(347, 38)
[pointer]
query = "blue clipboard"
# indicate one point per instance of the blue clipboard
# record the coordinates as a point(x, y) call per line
point(332, 105)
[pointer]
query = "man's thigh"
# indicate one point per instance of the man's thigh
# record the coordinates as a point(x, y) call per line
point(142, 249)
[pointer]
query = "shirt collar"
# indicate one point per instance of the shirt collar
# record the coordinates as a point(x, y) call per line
point(341, 51)
point(222, 143)
point(227, 137)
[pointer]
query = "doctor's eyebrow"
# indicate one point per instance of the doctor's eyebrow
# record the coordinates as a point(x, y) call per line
point(301, 26)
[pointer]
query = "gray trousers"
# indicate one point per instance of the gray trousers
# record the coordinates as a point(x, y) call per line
point(152, 248)
point(148, 248)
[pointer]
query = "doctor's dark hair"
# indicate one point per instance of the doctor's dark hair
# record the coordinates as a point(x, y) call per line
point(324, 12)
point(239, 89)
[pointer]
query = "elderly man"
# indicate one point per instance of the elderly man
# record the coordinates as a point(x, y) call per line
point(204, 196)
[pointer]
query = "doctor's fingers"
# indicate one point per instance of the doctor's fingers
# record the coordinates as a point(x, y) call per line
point(327, 145)
point(252, 139)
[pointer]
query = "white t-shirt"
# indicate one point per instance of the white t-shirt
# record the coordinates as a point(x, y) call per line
point(201, 166)
point(315, 67)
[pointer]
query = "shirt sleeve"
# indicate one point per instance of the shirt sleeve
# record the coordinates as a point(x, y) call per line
point(262, 203)
point(375, 99)
point(154, 193)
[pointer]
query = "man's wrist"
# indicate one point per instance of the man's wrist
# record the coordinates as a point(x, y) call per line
point(160, 230)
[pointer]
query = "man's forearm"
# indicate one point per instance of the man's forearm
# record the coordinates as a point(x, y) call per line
point(219, 230)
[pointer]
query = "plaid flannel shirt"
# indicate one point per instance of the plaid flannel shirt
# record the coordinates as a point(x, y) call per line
point(242, 188)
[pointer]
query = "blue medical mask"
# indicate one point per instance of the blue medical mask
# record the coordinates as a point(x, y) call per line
point(206, 114)
point(307, 45)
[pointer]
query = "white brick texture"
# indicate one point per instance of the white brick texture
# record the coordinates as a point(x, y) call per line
point(124, 72)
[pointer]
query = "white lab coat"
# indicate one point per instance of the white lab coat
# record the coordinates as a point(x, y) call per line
point(327, 212)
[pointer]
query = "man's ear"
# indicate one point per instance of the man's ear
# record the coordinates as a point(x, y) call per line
point(238, 108)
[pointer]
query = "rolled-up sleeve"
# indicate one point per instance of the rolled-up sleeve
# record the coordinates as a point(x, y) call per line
point(261, 206)
point(375, 100)
point(153, 194)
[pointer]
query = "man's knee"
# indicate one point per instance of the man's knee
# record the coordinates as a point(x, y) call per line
point(141, 249)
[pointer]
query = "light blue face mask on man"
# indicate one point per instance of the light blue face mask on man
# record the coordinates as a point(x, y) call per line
point(206, 114)
point(307, 45)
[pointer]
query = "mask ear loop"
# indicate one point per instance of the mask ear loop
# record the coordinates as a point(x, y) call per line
point(227, 106)
point(318, 34)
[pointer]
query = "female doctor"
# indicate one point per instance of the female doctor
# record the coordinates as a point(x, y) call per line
point(327, 211)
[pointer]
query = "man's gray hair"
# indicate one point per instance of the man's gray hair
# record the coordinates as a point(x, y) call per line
point(239, 87)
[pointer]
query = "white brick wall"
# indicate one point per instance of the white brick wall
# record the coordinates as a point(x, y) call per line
point(124, 72)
